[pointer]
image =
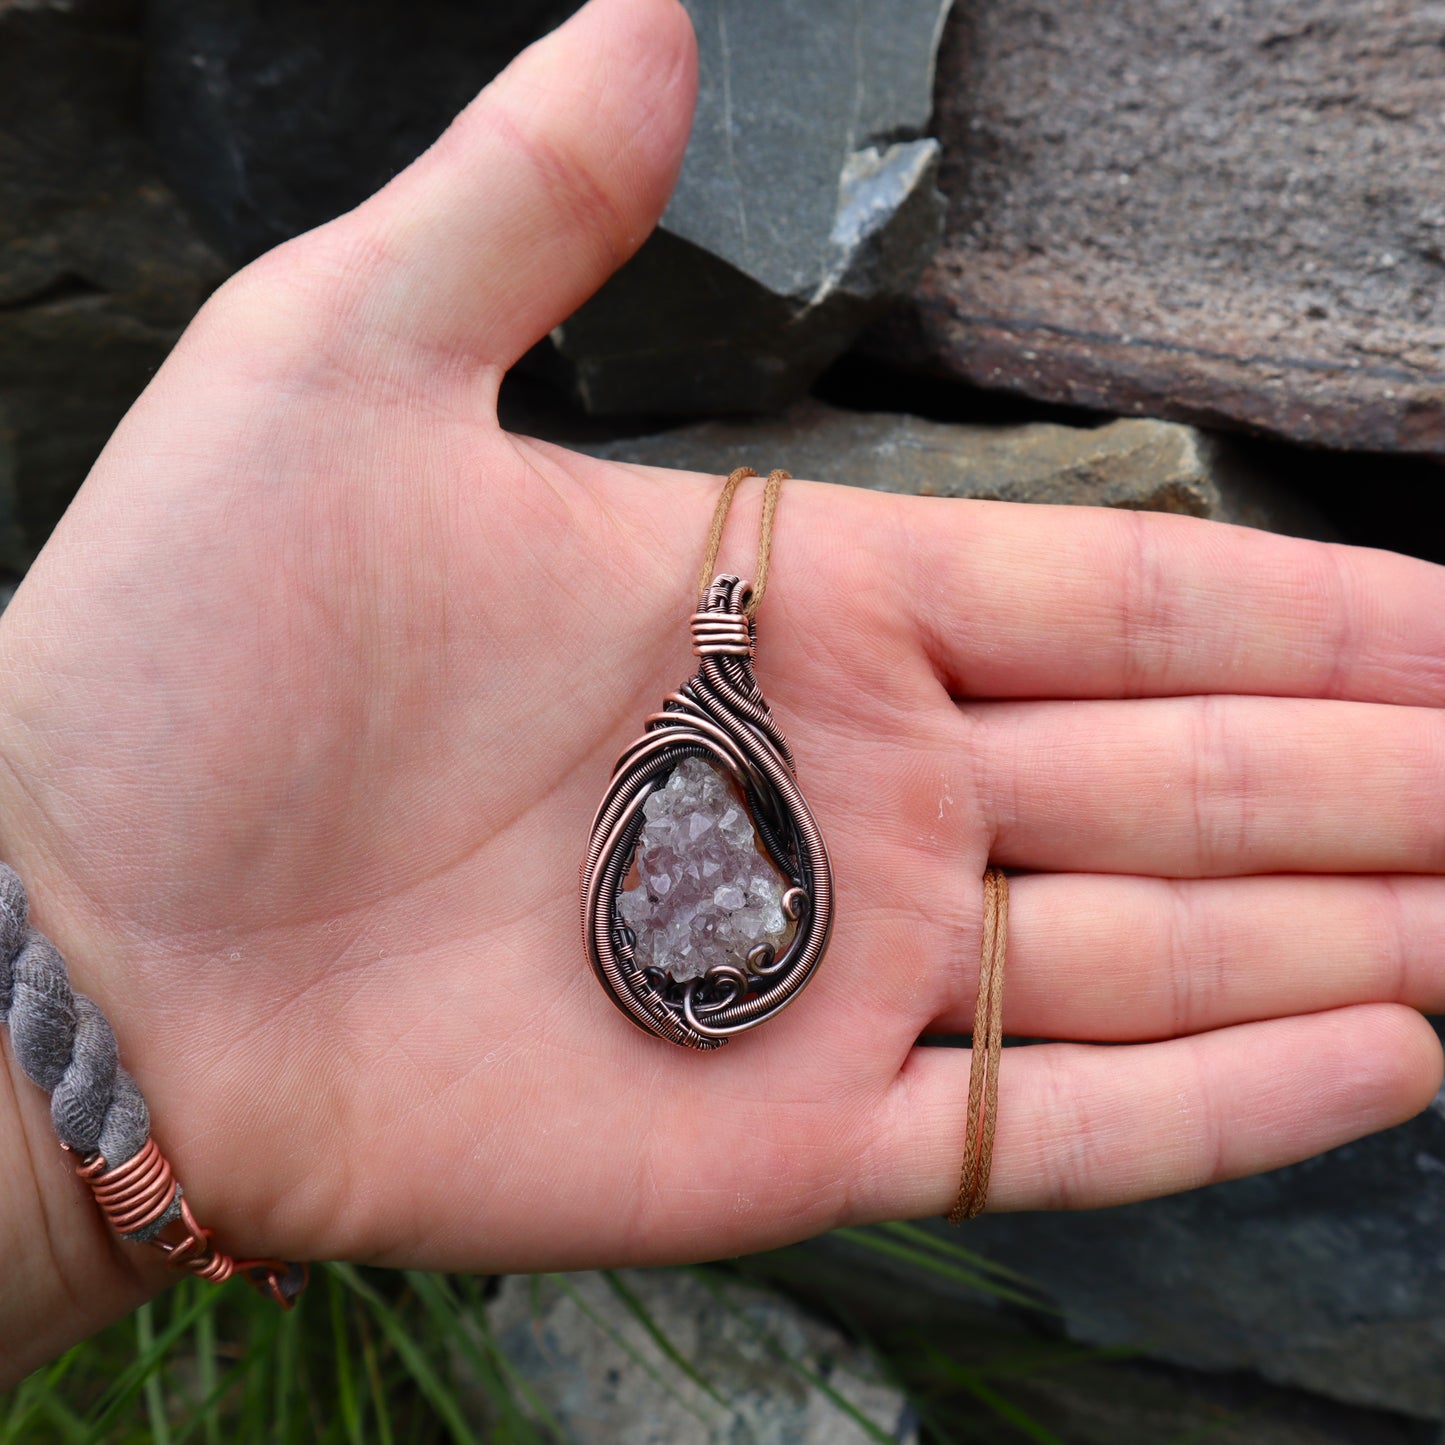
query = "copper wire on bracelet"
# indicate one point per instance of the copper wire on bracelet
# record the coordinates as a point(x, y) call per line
point(135, 1195)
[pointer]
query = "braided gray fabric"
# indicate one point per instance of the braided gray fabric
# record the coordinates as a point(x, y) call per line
point(64, 1044)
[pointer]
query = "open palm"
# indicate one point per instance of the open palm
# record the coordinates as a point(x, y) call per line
point(309, 701)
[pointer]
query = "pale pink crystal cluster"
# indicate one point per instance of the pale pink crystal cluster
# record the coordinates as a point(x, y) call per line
point(706, 894)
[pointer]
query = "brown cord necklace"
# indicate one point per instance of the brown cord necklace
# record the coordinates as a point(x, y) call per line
point(714, 968)
point(696, 996)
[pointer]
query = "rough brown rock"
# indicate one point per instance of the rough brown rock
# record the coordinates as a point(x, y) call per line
point(1219, 212)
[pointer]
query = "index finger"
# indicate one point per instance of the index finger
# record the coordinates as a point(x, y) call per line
point(1040, 601)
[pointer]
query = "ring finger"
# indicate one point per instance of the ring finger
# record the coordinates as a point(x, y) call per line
point(1109, 957)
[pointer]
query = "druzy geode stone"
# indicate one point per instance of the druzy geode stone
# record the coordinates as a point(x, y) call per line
point(705, 893)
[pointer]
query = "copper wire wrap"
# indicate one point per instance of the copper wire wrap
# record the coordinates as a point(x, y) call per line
point(721, 715)
point(135, 1195)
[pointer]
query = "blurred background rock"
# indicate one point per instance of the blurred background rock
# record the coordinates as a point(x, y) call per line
point(1174, 254)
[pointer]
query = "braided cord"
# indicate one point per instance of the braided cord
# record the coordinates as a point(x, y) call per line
point(65, 1045)
point(985, 1054)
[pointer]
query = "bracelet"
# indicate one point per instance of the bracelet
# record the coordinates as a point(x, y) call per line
point(64, 1044)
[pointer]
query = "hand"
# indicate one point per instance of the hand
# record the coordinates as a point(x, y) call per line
point(309, 701)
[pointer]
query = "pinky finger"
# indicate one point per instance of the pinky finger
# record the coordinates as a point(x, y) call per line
point(1084, 1126)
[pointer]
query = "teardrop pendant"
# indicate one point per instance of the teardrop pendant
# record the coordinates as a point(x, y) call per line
point(720, 716)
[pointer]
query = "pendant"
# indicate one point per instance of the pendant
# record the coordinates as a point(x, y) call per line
point(716, 935)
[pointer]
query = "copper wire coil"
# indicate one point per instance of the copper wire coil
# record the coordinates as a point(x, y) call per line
point(721, 634)
point(136, 1193)
point(195, 1254)
point(139, 1192)
point(215, 1268)
point(720, 714)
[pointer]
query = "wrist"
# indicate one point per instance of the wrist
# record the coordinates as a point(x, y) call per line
point(67, 1275)
point(68, 1271)
point(75, 1111)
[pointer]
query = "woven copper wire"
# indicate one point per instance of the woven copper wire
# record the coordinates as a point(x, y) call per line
point(196, 1254)
point(721, 715)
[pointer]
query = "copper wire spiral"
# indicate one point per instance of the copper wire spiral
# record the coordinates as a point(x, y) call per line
point(719, 714)
point(136, 1194)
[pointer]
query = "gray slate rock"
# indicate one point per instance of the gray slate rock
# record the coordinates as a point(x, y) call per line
point(100, 268)
point(805, 205)
point(270, 119)
point(1218, 212)
point(601, 1375)
point(1141, 464)
point(1329, 1275)
point(1083, 1395)
point(1326, 1277)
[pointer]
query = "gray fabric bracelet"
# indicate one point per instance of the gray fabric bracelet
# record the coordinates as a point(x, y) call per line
point(64, 1044)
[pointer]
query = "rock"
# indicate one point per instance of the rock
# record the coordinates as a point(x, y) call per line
point(1327, 1276)
point(1220, 213)
point(943, 1342)
point(806, 204)
point(1146, 465)
point(99, 267)
point(270, 119)
point(705, 895)
point(598, 1370)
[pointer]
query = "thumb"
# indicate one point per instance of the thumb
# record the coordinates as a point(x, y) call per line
point(538, 191)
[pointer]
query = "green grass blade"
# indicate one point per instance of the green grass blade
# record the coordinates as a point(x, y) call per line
point(378, 1392)
point(521, 1389)
point(284, 1353)
point(779, 1351)
point(31, 1395)
point(348, 1403)
point(658, 1336)
point(258, 1356)
point(65, 1424)
point(206, 1410)
point(1005, 1409)
point(950, 1249)
point(427, 1380)
point(145, 1336)
point(151, 1358)
point(462, 1327)
point(626, 1346)
point(209, 1375)
point(943, 1268)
